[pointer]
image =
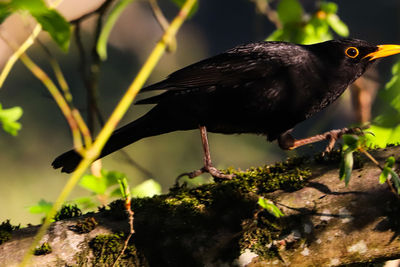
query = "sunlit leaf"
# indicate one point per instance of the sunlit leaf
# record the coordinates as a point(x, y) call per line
point(8, 119)
point(93, 183)
point(270, 207)
point(148, 188)
point(337, 25)
point(42, 207)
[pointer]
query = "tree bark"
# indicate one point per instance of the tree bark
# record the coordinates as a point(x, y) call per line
point(325, 224)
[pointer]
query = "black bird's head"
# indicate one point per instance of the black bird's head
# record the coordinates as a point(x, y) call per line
point(349, 58)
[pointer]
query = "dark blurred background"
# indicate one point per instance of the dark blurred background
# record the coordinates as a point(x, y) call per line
point(25, 172)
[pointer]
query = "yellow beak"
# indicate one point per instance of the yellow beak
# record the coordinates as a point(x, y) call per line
point(384, 51)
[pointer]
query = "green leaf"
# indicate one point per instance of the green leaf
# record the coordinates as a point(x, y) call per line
point(112, 177)
point(5, 11)
point(42, 207)
point(390, 161)
point(180, 3)
point(395, 179)
point(270, 207)
point(97, 185)
point(329, 7)
point(85, 203)
point(8, 119)
point(316, 30)
point(384, 175)
point(116, 193)
point(112, 18)
point(388, 169)
point(351, 141)
point(50, 20)
point(337, 25)
point(346, 166)
point(29, 5)
point(124, 187)
point(148, 188)
point(290, 11)
point(56, 25)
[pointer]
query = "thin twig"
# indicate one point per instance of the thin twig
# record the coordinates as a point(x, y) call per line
point(163, 22)
point(138, 166)
point(104, 5)
point(90, 72)
point(52, 88)
point(362, 150)
point(157, 12)
point(57, 72)
point(128, 208)
point(264, 8)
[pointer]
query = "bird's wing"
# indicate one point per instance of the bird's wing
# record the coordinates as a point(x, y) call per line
point(232, 69)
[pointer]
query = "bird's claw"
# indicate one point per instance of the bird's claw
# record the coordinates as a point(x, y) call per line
point(214, 172)
point(333, 135)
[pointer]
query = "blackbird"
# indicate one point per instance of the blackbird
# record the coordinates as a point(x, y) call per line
point(263, 88)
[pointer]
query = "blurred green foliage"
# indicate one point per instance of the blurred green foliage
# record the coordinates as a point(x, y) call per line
point(300, 27)
point(103, 190)
point(385, 127)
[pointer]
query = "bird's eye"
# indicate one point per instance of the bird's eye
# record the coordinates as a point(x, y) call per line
point(352, 52)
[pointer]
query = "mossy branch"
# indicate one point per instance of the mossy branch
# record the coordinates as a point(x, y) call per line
point(325, 223)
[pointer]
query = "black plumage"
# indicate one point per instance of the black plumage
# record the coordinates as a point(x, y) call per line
point(261, 88)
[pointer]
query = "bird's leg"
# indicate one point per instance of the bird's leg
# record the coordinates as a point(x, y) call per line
point(208, 167)
point(287, 141)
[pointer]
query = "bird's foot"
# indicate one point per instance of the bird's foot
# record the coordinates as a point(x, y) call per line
point(210, 169)
point(287, 141)
point(334, 135)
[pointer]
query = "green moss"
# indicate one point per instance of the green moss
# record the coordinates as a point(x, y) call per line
point(163, 223)
point(335, 156)
point(6, 229)
point(86, 225)
point(289, 175)
point(106, 249)
point(44, 249)
point(67, 212)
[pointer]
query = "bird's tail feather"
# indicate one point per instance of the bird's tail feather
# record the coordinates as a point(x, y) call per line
point(148, 125)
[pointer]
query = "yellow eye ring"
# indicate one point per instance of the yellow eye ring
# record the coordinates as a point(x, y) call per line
point(352, 52)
